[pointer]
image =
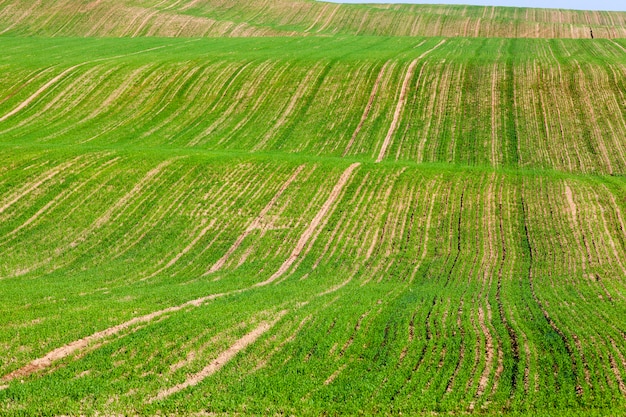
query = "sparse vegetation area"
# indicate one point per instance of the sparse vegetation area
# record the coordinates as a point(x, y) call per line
point(287, 222)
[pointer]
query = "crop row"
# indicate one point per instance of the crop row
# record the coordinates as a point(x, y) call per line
point(420, 289)
point(174, 18)
point(500, 103)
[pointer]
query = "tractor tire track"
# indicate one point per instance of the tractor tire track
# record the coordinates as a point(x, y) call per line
point(401, 101)
point(222, 359)
point(80, 344)
point(313, 229)
point(37, 93)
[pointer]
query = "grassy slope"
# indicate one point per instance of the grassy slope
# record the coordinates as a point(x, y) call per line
point(475, 268)
point(173, 18)
point(492, 102)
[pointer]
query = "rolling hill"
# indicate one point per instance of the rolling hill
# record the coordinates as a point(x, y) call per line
point(295, 207)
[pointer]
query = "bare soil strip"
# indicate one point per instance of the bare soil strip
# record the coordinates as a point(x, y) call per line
point(329, 20)
point(572, 205)
point(401, 101)
point(319, 219)
point(31, 187)
point(335, 374)
point(618, 45)
point(494, 113)
point(37, 93)
point(489, 354)
point(255, 224)
point(67, 350)
point(398, 112)
point(25, 15)
point(317, 19)
point(221, 360)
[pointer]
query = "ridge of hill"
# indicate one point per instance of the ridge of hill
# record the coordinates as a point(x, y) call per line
point(233, 18)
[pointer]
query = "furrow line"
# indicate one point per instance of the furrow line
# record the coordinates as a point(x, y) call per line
point(222, 359)
point(122, 202)
point(330, 18)
point(56, 201)
point(186, 250)
point(398, 111)
point(305, 84)
point(37, 93)
point(368, 107)
point(459, 363)
point(489, 354)
point(503, 318)
point(177, 195)
point(546, 315)
point(30, 187)
point(75, 346)
point(615, 368)
point(401, 101)
point(310, 232)
point(255, 224)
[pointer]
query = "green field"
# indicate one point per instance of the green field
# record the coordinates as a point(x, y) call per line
point(296, 217)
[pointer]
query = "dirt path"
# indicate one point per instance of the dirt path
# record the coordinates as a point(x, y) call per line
point(221, 360)
point(368, 107)
point(319, 219)
point(401, 102)
point(255, 224)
